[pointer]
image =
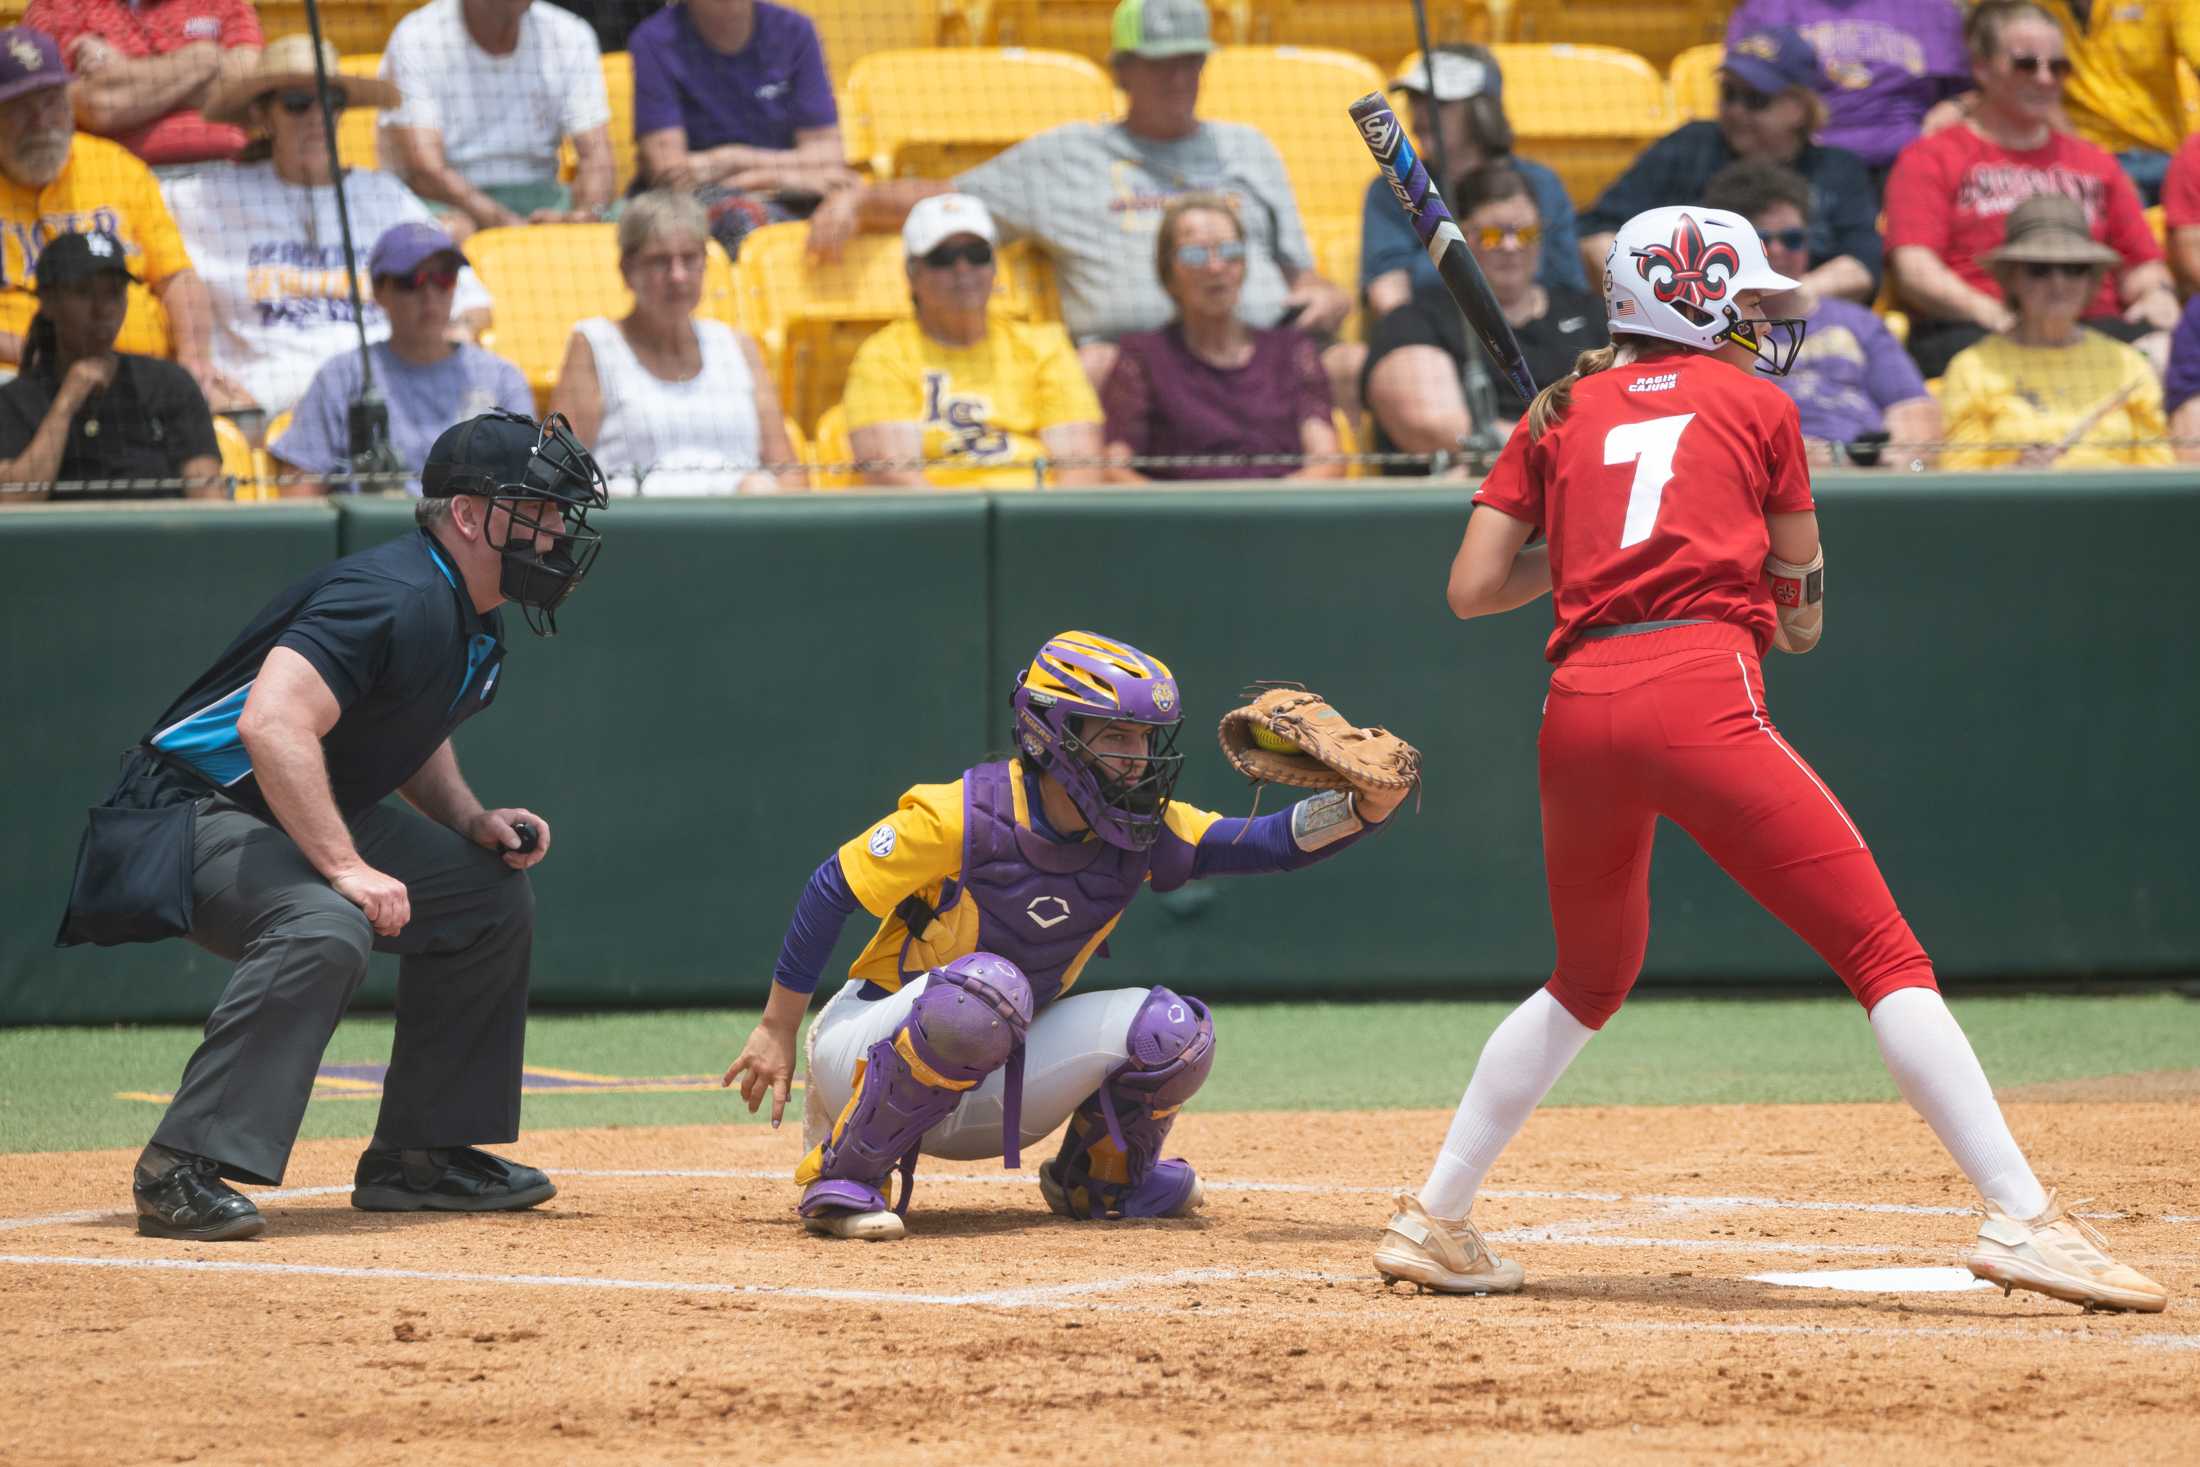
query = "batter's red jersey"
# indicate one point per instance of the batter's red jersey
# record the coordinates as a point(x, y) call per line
point(1653, 490)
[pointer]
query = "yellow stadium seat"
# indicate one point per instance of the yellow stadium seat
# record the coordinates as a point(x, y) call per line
point(1376, 29)
point(1335, 240)
point(2158, 221)
point(1083, 27)
point(797, 444)
point(850, 30)
point(348, 25)
point(1694, 79)
point(1348, 442)
point(1297, 97)
point(618, 85)
point(2188, 87)
point(356, 127)
point(811, 316)
point(832, 449)
point(897, 102)
point(1658, 30)
point(239, 462)
point(1583, 111)
point(545, 277)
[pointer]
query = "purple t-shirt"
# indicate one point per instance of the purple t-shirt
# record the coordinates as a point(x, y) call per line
point(1890, 61)
point(760, 95)
point(2183, 382)
point(1849, 372)
point(1160, 399)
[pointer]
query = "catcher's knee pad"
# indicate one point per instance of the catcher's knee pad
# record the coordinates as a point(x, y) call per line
point(1110, 1163)
point(969, 1019)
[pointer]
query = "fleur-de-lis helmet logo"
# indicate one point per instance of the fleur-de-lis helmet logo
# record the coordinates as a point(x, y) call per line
point(1687, 271)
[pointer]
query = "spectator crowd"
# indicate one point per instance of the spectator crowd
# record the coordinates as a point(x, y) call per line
point(217, 243)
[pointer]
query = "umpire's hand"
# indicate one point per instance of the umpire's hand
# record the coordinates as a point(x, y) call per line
point(493, 829)
point(381, 896)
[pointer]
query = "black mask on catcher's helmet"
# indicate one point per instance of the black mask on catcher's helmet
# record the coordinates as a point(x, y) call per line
point(546, 484)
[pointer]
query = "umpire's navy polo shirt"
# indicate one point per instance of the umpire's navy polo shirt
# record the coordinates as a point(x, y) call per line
point(394, 635)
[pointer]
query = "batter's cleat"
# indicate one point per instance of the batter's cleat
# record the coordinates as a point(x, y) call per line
point(183, 1196)
point(1171, 1189)
point(446, 1179)
point(1440, 1254)
point(2060, 1255)
point(838, 1208)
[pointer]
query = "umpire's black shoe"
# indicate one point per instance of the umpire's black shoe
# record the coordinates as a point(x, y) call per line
point(459, 1179)
point(183, 1196)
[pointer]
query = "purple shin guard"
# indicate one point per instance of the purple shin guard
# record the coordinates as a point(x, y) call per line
point(969, 1021)
point(1110, 1163)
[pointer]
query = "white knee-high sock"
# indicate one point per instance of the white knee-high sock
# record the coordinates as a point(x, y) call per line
point(1939, 1076)
point(1522, 1061)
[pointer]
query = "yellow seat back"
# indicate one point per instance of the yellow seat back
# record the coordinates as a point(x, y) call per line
point(1657, 30)
point(1297, 96)
point(348, 25)
point(832, 459)
point(1583, 111)
point(545, 277)
point(934, 113)
point(618, 85)
point(850, 30)
point(1085, 27)
point(1695, 83)
point(1375, 29)
point(239, 462)
point(356, 127)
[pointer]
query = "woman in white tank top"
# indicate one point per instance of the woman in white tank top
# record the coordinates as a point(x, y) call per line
point(670, 403)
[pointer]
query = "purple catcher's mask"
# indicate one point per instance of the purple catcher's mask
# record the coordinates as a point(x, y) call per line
point(1123, 797)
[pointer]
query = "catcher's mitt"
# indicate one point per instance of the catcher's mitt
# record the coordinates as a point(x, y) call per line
point(1324, 751)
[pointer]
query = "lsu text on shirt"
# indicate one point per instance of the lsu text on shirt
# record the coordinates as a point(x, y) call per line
point(1653, 491)
point(102, 187)
point(980, 408)
point(925, 851)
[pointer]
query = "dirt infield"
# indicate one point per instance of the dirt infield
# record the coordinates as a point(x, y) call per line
point(665, 1308)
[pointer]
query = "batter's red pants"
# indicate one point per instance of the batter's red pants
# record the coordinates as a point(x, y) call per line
point(1673, 723)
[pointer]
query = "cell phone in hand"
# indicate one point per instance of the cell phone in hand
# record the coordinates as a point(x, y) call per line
point(1291, 314)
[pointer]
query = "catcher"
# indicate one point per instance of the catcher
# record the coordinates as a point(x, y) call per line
point(954, 1035)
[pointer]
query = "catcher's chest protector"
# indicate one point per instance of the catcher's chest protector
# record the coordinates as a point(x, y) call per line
point(1039, 902)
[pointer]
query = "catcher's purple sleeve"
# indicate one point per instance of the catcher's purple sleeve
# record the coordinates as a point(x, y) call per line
point(1263, 844)
point(825, 908)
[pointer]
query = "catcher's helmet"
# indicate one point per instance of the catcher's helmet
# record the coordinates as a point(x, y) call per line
point(1673, 274)
point(1080, 675)
point(539, 473)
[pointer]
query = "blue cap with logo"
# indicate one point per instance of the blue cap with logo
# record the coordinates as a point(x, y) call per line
point(1774, 59)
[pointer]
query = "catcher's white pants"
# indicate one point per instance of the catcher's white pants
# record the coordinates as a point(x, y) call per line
point(1074, 1044)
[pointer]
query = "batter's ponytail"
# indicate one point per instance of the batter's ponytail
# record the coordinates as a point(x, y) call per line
point(1550, 405)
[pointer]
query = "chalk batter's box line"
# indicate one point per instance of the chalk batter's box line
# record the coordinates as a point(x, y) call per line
point(562, 1082)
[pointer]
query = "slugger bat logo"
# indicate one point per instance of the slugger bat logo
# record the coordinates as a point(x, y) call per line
point(1382, 133)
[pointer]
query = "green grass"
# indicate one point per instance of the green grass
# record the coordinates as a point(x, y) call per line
point(57, 1086)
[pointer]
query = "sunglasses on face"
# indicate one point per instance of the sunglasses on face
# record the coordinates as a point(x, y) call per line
point(2058, 67)
point(1786, 239)
point(2048, 270)
point(1198, 257)
point(1749, 99)
point(298, 104)
point(425, 280)
point(948, 256)
point(1498, 237)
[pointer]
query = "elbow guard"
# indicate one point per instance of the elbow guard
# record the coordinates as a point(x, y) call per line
point(1799, 596)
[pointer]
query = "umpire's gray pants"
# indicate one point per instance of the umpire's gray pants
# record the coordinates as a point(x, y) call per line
point(301, 951)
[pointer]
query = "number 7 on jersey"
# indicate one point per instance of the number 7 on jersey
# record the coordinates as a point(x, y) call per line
point(1649, 446)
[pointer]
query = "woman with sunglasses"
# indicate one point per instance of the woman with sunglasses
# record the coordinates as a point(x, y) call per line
point(1414, 384)
point(1952, 190)
point(1207, 384)
point(1771, 111)
point(428, 380)
point(2048, 392)
point(266, 234)
point(958, 397)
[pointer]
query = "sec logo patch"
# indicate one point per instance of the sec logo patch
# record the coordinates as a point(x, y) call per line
point(881, 843)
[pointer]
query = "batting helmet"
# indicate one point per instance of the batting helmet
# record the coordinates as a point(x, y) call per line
point(1673, 274)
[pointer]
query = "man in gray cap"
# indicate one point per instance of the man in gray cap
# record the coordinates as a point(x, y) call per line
point(252, 819)
point(1092, 193)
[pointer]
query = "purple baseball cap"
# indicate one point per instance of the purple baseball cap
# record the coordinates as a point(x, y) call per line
point(30, 61)
point(404, 248)
point(1774, 59)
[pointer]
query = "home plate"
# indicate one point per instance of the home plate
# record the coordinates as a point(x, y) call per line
point(1879, 1280)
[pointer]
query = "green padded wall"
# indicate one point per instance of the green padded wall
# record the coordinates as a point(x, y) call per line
point(2004, 702)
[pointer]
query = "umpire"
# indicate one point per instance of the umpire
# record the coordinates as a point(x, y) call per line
point(252, 820)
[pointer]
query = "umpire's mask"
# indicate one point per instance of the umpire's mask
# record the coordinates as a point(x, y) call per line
point(546, 483)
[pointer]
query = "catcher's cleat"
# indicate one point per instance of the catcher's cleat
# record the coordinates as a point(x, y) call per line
point(2063, 1257)
point(1172, 1189)
point(838, 1208)
point(180, 1196)
point(1446, 1256)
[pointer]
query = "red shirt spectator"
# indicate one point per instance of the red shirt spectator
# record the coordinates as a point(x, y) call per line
point(144, 70)
point(1952, 192)
point(2181, 212)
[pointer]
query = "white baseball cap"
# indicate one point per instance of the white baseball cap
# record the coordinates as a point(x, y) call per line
point(941, 218)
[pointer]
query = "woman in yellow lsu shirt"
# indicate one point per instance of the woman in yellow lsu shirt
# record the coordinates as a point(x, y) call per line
point(2050, 392)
